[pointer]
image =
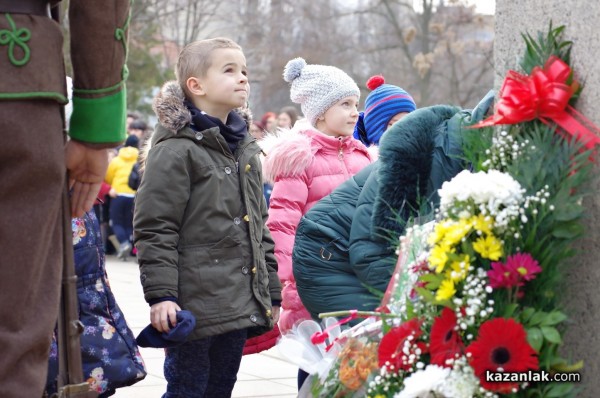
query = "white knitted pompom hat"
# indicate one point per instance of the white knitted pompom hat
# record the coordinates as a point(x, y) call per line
point(317, 87)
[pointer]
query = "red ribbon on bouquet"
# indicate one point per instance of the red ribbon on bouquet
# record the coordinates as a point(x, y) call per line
point(321, 337)
point(543, 95)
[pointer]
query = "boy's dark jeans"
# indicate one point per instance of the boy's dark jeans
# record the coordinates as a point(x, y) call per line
point(205, 368)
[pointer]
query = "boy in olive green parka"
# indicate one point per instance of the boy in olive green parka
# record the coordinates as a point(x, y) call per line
point(199, 223)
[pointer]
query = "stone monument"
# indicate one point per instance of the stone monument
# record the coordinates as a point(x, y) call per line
point(582, 296)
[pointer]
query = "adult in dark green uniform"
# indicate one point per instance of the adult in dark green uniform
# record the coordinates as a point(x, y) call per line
point(35, 156)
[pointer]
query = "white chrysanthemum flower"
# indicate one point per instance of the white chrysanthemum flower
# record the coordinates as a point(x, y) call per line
point(493, 192)
point(424, 383)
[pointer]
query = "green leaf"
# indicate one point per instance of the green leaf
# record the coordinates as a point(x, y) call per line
point(510, 310)
point(385, 327)
point(537, 318)
point(410, 310)
point(433, 281)
point(426, 294)
point(568, 213)
point(551, 334)
point(559, 390)
point(535, 338)
point(564, 367)
point(526, 314)
point(568, 230)
point(554, 318)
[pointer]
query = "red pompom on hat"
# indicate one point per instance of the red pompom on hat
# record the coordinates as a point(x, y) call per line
point(375, 81)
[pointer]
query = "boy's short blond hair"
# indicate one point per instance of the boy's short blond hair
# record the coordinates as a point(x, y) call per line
point(195, 58)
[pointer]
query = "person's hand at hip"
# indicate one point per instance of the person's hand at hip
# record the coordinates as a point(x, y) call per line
point(87, 168)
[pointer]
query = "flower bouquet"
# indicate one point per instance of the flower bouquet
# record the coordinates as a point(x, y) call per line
point(473, 309)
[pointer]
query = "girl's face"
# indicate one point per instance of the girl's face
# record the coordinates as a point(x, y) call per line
point(284, 121)
point(340, 118)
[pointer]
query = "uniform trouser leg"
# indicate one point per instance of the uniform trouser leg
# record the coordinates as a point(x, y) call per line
point(32, 174)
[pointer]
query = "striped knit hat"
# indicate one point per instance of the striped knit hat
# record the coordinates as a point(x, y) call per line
point(383, 103)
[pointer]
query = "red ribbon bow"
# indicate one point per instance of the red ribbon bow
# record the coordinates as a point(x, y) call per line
point(544, 95)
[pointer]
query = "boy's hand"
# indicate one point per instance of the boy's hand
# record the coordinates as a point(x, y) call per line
point(163, 313)
point(276, 311)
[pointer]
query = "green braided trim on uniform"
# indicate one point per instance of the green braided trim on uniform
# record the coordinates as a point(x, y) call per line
point(35, 95)
point(99, 120)
point(118, 86)
point(122, 37)
point(18, 37)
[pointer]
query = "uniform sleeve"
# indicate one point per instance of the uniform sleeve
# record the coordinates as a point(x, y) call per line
point(286, 207)
point(98, 31)
point(159, 207)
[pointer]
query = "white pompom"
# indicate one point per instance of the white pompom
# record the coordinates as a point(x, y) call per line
point(293, 69)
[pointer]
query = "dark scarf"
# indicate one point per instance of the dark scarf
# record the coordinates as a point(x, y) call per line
point(233, 132)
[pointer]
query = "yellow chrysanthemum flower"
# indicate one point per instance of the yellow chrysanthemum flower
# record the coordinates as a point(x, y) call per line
point(489, 247)
point(446, 290)
point(456, 232)
point(439, 231)
point(481, 224)
point(460, 268)
point(438, 257)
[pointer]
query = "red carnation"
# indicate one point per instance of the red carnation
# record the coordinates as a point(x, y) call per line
point(392, 345)
point(375, 81)
point(501, 344)
point(445, 341)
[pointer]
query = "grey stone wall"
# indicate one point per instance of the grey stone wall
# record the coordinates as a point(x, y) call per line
point(582, 297)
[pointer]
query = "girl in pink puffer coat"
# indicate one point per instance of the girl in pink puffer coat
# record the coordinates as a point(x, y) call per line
point(309, 162)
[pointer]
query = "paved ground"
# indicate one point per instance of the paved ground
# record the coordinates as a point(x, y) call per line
point(261, 375)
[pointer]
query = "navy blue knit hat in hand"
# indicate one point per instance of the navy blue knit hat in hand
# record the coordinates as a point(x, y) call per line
point(150, 337)
point(383, 103)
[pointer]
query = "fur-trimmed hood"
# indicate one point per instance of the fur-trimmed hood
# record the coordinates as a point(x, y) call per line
point(406, 156)
point(169, 107)
point(172, 112)
point(416, 156)
point(289, 152)
point(173, 115)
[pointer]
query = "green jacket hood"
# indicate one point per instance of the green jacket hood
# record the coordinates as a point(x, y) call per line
point(417, 155)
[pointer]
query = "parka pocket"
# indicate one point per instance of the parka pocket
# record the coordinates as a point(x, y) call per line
point(210, 276)
point(225, 249)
